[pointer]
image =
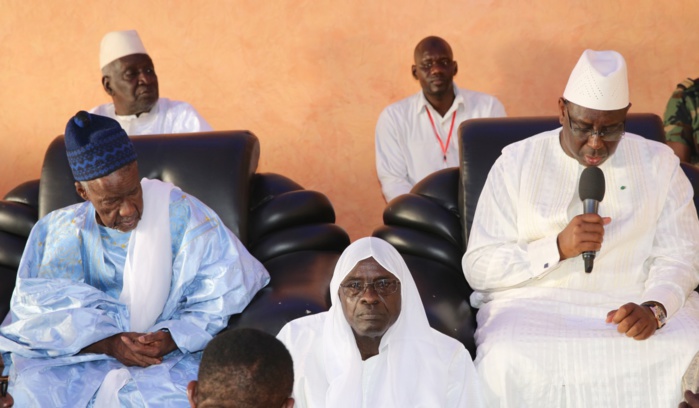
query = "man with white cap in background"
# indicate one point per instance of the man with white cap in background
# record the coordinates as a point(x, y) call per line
point(128, 76)
point(550, 334)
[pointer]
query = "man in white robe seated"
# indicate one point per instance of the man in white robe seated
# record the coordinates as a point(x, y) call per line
point(128, 76)
point(549, 334)
point(374, 347)
point(244, 368)
point(117, 296)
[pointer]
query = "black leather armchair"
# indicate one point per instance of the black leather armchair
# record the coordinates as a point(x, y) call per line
point(289, 229)
point(429, 226)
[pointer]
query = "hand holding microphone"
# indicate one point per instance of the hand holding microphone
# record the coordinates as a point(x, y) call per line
point(585, 232)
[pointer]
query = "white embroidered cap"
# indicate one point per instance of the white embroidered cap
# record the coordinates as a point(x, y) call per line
point(119, 44)
point(599, 81)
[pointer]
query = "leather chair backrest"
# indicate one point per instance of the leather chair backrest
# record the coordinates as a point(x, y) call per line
point(215, 167)
point(482, 140)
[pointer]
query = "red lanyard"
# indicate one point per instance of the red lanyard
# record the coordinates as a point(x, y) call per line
point(451, 128)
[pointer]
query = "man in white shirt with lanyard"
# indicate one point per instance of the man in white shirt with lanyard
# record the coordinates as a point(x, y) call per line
point(414, 136)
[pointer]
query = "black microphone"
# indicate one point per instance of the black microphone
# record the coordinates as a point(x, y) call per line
point(591, 193)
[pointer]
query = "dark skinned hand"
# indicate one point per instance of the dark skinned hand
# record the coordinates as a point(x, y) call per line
point(584, 232)
point(135, 349)
point(156, 344)
point(634, 320)
point(691, 400)
point(7, 401)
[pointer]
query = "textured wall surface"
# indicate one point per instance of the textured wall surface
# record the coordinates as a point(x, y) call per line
point(310, 78)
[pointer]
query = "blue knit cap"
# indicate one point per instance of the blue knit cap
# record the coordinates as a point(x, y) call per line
point(96, 146)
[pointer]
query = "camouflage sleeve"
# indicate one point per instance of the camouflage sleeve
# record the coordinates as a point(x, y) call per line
point(678, 119)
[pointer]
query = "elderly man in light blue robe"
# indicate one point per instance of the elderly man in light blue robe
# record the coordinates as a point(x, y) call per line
point(116, 297)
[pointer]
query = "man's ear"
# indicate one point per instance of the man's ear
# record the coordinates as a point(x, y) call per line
point(561, 111)
point(414, 71)
point(106, 84)
point(192, 395)
point(81, 190)
point(456, 68)
point(289, 403)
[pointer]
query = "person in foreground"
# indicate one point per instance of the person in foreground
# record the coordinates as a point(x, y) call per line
point(549, 334)
point(128, 77)
point(116, 296)
point(243, 368)
point(414, 136)
point(374, 347)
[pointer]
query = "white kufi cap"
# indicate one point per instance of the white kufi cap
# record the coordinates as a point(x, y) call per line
point(119, 44)
point(599, 81)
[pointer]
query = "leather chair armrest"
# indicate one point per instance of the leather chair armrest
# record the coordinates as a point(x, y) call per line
point(320, 237)
point(8, 276)
point(424, 214)
point(265, 186)
point(18, 214)
point(25, 193)
point(284, 219)
point(17, 218)
point(288, 210)
point(410, 241)
point(692, 173)
point(11, 249)
point(445, 296)
point(299, 287)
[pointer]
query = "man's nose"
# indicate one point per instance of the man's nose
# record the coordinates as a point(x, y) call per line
point(370, 296)
point(436, 69)
point(145, 77)
point(594, 141)
point(127, 209)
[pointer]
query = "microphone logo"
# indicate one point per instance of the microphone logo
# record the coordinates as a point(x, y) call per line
point(591, 190)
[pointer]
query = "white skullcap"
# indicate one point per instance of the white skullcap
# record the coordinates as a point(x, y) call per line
point(119, 44)
point(599, 81)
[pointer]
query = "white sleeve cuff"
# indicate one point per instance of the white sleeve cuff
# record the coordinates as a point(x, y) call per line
point(665, 296)
point(543, 255)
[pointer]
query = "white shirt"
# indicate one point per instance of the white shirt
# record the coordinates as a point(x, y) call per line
point(650, 248)
point(542, 337)
point(166, 117)
point(407, 149)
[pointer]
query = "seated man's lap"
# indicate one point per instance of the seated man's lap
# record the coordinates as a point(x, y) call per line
point(546, 352)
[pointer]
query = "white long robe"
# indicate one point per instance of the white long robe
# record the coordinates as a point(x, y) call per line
point(165, 117)
point(67, 297)
point(417, 366)
point(542, 338)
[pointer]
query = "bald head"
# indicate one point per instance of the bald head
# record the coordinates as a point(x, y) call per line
point(432, 43)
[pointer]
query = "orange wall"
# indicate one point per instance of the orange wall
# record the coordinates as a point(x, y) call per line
point(310, 78)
